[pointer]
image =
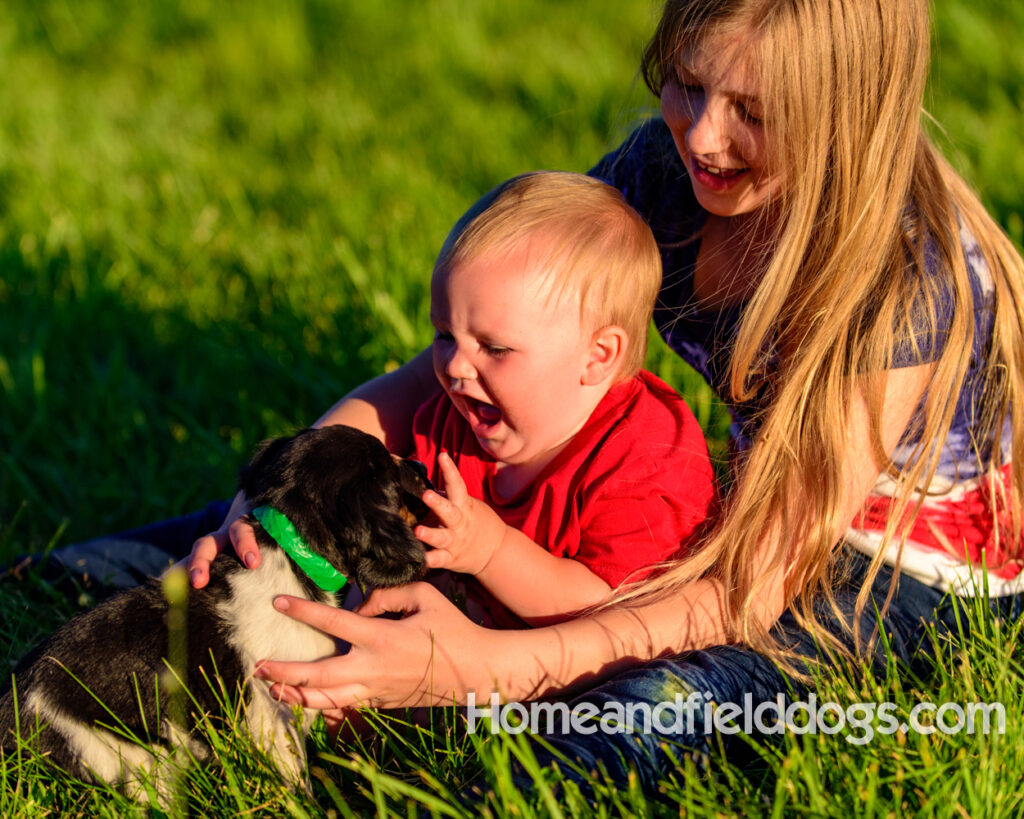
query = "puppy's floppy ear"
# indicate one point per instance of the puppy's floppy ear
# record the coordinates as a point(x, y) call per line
point(394, 556)
point(264, 468)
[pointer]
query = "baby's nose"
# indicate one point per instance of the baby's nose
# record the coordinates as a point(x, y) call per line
point(459, 367)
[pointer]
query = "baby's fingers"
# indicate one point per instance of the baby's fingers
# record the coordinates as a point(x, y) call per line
point(438, 559)
point(447, 512)
point(434, 538)
point(454, 486)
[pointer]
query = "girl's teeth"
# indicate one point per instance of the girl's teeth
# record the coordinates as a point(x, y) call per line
point(714, 170)
point(721, 172)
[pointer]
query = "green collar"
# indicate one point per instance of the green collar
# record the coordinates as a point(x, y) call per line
point(283, 531)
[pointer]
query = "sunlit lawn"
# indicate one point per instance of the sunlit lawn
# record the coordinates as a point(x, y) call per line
point(217, 217)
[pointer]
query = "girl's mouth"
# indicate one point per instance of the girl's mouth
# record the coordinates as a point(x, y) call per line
point(716, 178)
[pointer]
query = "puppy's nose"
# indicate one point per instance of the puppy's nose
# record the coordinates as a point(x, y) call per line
point(420, 469)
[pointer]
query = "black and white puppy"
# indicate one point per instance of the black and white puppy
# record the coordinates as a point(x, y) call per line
point(104, 674)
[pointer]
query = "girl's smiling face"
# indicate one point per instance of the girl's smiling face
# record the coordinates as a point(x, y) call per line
point(713, 107)
point(511, 359)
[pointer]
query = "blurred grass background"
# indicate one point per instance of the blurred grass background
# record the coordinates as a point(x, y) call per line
point(217, 217)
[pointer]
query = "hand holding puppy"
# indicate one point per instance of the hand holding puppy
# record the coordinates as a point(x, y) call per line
point(433, 655)
point(235, 531)
point(470, 533)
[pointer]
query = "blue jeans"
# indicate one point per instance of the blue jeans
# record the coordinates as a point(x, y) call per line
point(725, 674)
point(128, 558)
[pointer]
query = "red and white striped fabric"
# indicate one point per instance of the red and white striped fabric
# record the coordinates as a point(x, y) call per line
point(952, 544)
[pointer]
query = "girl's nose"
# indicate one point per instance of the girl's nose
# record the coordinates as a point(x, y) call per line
point(707, 134)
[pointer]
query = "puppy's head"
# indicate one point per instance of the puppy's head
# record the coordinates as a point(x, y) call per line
point(348, 498)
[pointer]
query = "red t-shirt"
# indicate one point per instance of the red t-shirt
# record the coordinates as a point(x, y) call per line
point(628, 490)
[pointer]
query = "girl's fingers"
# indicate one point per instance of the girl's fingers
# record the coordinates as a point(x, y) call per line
point(317, 673)
point(204, 552)
point(243, 538)
point(320, 698)
point(346, 625)
point(395, 600)
point(303, 682)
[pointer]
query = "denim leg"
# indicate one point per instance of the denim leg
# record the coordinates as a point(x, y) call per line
point(128, 558)
point(735, 674)
point(648, 739)
point(913, 606)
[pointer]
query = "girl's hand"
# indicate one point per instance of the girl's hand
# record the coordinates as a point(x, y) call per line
point(432, 656)
point(236, 532)
point(470, 532)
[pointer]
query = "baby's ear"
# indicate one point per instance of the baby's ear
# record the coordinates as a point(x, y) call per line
point(605, 355)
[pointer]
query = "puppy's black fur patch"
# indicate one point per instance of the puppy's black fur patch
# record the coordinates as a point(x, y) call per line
point(350, 501)
point(354, 518)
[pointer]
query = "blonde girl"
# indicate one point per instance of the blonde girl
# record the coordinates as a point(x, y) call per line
point(845, 293)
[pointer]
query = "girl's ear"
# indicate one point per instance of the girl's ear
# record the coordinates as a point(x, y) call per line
point(607, 350)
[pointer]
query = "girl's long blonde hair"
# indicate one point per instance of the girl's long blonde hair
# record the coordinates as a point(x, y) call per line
point(866, 197)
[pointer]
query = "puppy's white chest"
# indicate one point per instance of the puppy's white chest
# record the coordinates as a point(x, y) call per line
point(258, 631)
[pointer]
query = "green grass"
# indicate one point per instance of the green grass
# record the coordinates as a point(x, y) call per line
point(438, 769)
point(217, 217)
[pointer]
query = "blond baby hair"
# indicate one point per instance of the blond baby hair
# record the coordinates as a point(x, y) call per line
point(593, 246)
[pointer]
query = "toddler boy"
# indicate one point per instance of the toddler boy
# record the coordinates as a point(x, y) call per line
point(567, 468)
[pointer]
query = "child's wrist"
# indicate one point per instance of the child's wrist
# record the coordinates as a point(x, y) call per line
point(500, 535)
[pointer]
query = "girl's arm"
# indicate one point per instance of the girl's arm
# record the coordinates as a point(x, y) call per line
point(434, 655)
point(383, 407)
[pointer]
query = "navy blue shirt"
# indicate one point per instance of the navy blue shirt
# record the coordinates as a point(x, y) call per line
point(649, 172)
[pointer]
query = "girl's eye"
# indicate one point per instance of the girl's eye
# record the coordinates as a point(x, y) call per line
point(687, 84)
point(747, 116)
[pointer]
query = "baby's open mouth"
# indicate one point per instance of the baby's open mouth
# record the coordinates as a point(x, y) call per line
point(488, 414)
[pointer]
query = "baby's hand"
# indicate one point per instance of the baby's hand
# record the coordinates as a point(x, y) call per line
point(470, 531)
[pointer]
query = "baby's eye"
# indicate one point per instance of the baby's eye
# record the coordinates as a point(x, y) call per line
point(496, 350)
point(443, 336)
